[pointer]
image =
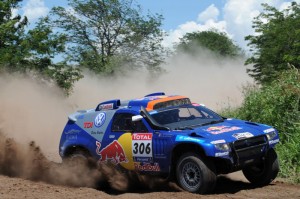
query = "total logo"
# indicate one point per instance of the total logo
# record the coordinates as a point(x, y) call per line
point(100, 119)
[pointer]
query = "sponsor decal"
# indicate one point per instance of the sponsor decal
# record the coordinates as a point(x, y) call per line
point(218, 142)
point(216, 128)
point(88, 125)
point(221, 154)
point(142, 145)
point(142, 136)
point(187, 138)
point(269, 130)
point(222, 129)
point(113, 152)
point(107, 106)
point(96, 132)
point(100, 119)
point(142, 159)
point(98, 144)
point(72, 131)
point(71, 137)
point(273, 141)
point(146, 167)
point(239, 136)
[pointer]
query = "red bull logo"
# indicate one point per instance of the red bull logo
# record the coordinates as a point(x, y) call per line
point(146, 167)
point(113, 152)
point(222, 129)
point(216, 128)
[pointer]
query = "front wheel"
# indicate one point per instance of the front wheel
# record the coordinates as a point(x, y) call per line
point(195, 174)
point(264, 172)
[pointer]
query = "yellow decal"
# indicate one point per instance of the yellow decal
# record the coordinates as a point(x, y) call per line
point(126, 141)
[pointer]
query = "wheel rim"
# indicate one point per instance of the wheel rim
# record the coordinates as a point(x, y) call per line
point(257, 170)
point(191, 174)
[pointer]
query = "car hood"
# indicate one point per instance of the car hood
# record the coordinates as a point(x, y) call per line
point(230, 130)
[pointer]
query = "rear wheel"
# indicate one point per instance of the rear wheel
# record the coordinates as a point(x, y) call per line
point(195, 174)
point(78, 158)
point(264, 172)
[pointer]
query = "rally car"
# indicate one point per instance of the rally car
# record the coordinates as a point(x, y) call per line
point(169, 136)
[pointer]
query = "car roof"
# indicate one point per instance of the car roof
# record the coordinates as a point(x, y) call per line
point(150, 102)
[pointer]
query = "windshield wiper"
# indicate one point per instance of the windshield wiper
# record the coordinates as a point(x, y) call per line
point(191, 127)
point(184, 128)
point(213, 122)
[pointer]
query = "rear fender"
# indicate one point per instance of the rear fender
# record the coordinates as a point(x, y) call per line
point(73, 136)
point(67, 146)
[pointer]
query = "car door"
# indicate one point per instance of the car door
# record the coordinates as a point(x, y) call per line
point(128, 143)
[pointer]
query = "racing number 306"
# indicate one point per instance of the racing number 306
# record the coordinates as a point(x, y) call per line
point(142, 148)
point(142, 145)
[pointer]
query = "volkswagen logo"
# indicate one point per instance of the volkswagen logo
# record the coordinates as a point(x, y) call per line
point(100, 119)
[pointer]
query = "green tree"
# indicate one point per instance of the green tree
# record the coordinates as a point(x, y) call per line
point(43, 45)
point(34, 50)
point(217, 42)
point(11, 32)
point(104, 34)
point(276, 42)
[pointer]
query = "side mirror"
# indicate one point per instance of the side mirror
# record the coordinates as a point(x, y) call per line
point(137, 118)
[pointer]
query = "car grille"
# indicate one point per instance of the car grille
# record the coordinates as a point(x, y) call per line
point(247, 148)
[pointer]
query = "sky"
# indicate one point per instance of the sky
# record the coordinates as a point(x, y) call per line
point(182, 16)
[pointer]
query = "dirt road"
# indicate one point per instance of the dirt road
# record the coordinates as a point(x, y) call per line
point(226, 188)
point(55, 180)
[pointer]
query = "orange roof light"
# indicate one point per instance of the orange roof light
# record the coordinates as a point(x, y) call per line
point(151, 104)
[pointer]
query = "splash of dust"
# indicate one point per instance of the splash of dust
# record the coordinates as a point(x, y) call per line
point(215, 82)
point(30, 163)
point(34, 111)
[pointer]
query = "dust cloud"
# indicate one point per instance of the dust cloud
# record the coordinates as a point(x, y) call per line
point(205, 79)
point(29, 162)
point(32, 111)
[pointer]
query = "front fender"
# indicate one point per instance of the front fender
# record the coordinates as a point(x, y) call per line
point(207, 147)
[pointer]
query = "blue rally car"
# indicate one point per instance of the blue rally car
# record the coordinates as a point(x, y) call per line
point(169, 136)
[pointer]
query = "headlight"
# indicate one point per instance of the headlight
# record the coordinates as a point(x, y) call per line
point(271, 135)
point(222, 146)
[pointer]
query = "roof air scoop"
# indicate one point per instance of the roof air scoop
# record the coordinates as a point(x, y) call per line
point(107, 105)
point(155, 94)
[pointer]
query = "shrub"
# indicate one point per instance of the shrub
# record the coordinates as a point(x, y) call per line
point(277, 104)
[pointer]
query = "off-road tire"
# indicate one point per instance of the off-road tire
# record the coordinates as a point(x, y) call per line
point(195, 174)
point(264, 172)
point(77, 158)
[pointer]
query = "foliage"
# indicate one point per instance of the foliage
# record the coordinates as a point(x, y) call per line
point(101, 34)
point(277, 104)
point(217, 42)
point(276, 42)
point(11, 31)
point(43, 45)
point(32, 51)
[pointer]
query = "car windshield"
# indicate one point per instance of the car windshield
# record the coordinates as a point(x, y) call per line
point(185, 117)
